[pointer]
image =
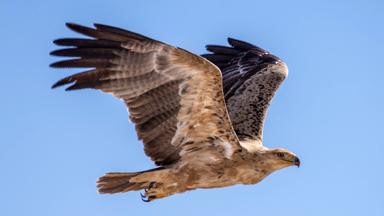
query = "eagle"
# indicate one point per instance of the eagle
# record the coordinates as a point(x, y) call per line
point(200, 117)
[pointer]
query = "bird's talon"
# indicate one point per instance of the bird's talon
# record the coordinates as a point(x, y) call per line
point(151, 185)
point(144, 198)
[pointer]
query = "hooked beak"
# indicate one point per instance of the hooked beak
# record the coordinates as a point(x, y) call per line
point(297, 162)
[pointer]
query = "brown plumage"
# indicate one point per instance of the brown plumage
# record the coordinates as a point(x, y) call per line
point(176, 101)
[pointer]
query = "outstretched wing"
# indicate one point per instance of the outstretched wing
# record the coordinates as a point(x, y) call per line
point(251, 77)
point(174, 97)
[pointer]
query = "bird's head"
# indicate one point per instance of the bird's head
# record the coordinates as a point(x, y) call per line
point(280, 158)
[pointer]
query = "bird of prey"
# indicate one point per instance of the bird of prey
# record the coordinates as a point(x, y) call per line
point(200, 117)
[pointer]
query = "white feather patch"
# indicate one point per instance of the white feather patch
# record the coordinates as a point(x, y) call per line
point(251, 145)
point(228, 148)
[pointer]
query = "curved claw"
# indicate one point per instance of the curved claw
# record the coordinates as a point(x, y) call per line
point(144, 198)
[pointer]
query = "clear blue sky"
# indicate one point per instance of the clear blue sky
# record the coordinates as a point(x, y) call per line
point(330, 110)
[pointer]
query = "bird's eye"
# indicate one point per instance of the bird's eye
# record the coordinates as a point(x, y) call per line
point(280, 155)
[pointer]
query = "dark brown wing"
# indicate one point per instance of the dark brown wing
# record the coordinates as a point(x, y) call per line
point(174, 97)
point(251, 76)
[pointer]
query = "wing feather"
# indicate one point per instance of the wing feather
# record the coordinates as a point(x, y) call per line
point(251, 77)
point(174, 97)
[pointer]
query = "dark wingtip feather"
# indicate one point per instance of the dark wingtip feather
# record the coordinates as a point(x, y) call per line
point(81, 63)
point(76, 84)
point(63, 52)
point(121, 32)
point(52, 53)
point(62, 82)
point(62, 42)
point(217, 57)
point(63, 64)
point(242, 45)
point(82, 42)
point(60, 64)
point(57, 42)
point(67, 41)
point(82, 29)
point(74, 26)
point(55, 64)
point(59, 52)
point(101, 26)
point(222, 50)
point(69, 24)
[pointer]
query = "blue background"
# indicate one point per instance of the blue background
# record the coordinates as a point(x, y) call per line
point(54, 144)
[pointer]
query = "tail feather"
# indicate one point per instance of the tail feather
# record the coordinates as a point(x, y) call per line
point(118, 182)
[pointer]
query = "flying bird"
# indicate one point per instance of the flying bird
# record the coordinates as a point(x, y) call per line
point(200, 117)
